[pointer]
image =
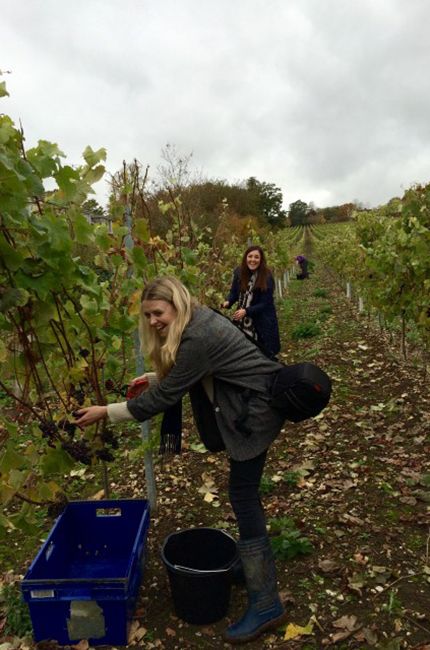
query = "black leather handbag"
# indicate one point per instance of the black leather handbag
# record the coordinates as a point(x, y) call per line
point(300, 391)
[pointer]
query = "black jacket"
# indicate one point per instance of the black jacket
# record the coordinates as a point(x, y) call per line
point(262, 311)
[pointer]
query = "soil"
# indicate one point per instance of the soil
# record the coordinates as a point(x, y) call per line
point(355, 481)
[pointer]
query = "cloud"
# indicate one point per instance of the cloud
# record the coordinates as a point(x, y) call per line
point(327, 100)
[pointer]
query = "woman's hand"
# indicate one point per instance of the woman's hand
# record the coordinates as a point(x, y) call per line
point(137, 386)
point(239, 314)
point(89, 415)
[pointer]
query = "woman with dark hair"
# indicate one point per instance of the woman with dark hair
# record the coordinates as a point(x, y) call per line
point(197, 351)
point(252, 288)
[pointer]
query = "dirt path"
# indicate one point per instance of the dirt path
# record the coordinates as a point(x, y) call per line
point(356, 483)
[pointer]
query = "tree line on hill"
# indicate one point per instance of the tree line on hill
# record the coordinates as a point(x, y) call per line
point(219, 207)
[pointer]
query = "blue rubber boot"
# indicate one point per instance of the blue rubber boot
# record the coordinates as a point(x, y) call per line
point(265, 610)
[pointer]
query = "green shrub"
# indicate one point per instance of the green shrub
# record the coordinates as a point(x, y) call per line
point(291, 478)
point(289, 543)
point(279, 524)
point(16, 612)
point(266, 485)
point(320, 293)
point(305, 331)
point(326, 309)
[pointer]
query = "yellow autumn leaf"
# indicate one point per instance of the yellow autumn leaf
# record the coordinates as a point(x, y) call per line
point(293, 631)
point(134, 303)
point(116, 343)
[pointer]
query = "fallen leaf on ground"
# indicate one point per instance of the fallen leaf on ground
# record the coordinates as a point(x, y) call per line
point(360, 558)
point(98, 495)
point(82, 645)
point(341, 636)
point(346, 622)
point(366, 634)
point(137, 632)
point(287, 597)
point(293, 631)
point(132, 630)
point(209, 497)
point(328, 566)
point(351, 519)
point(208, 489)
point(409, 501)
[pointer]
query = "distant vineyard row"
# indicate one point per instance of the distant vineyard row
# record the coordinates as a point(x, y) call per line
point(385, 254)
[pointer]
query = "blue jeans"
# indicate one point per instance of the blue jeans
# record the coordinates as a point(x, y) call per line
point(244, 484)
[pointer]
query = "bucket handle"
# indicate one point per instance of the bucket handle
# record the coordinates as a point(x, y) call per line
point(188, 569)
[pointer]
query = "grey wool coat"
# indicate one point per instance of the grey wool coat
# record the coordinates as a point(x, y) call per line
point(211, 346)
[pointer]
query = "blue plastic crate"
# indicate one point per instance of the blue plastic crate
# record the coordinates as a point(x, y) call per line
point(84, 581)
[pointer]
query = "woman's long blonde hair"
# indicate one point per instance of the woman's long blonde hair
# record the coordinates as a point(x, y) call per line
point(162, 351)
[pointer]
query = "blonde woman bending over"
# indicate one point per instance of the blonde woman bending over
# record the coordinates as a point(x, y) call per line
point(198, 351)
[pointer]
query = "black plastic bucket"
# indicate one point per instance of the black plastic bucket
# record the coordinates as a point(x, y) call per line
point(200, 563)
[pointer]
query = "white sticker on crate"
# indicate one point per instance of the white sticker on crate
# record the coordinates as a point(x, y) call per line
point(42, 593)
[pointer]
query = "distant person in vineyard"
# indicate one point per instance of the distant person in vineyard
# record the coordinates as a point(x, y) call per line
point(252, 289)
point(196, 350)
point(303, 264)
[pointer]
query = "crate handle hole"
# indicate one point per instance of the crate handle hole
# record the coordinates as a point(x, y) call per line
point(108, 512)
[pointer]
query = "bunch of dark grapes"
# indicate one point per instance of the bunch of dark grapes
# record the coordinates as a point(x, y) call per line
point(105, 454)
point(78, 394)
point(109, 438)
point(79, 450)
point(110, 385)
point(67, 427)
point(79, 397)
point(49, 430)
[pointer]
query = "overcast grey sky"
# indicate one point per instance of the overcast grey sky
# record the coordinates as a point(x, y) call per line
point(328, 99)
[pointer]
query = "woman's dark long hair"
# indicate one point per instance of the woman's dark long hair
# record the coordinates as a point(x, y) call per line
point(263, 271)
